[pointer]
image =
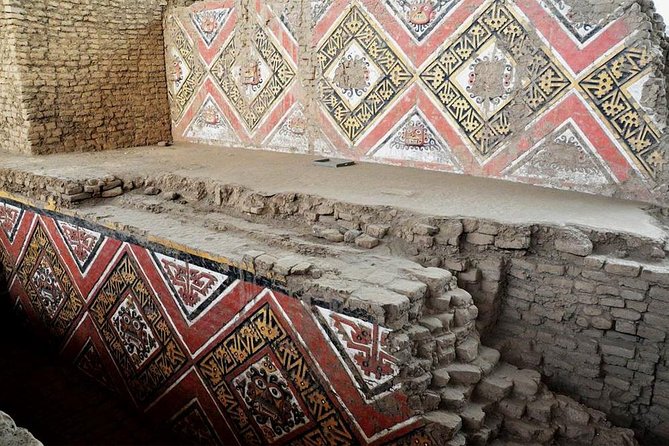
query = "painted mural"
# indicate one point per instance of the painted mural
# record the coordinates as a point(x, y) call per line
point(215, 353)
point(492, 88)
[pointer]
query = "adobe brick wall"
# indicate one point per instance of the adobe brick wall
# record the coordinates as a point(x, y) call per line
point(13, 125)
point(92, 75)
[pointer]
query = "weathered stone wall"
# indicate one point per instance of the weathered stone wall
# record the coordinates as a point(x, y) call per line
point(565, 94)
point(13, 124)
point(92, 74)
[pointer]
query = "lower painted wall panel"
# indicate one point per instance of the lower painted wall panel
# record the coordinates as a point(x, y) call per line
point(219, 355)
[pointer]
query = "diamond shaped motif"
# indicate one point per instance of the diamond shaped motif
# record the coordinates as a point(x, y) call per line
point(420, 17)
point(185, 71)
point(209, 23)
point(362, 73)
point(269, 398)
point(518, 75)
point(267, 387)
point(613, 88)
point(134, 330)
point(253, 79)
point(49, 287)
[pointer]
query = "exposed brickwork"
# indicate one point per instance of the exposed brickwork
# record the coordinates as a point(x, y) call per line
point(13, 125)
point(92, 75)
point(581, 291)
point(428, 347)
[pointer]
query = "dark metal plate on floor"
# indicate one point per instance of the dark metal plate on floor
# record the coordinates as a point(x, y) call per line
point(333, 162)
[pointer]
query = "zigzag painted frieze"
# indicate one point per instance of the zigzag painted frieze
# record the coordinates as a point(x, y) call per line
point(157, 325)
point(473, 87)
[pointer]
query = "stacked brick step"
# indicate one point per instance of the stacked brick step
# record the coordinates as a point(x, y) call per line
point(474, 399)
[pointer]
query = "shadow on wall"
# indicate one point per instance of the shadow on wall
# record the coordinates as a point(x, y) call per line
point(56, 404)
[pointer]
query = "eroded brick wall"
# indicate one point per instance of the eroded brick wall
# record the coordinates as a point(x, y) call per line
point(13, 125)
point(92, 74)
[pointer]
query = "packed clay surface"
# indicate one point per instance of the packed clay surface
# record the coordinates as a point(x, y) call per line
point(365, 184)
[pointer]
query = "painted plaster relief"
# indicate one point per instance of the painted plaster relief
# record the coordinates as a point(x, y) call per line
point(416, 140)
point(555, 158)
point(490, 79)
point(420, 17)
point(210, 350)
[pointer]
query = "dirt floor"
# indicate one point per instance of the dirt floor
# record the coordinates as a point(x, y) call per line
point(433, 193)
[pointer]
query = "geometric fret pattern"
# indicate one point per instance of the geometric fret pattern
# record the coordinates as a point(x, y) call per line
point(185, 70)
point(496, 46)
point(133, 328)
point(466, 86)
point(299, 403)
point(202, 346)
point(609, 89)
point(361, 73)
point(252, 81)
point(82, 243)
point(51, 291)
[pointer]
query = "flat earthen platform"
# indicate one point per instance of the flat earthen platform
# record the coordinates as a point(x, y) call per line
point(426, 192)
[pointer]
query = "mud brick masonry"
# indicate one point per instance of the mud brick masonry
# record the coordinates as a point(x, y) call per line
point(232, 304)
point(81, 75)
